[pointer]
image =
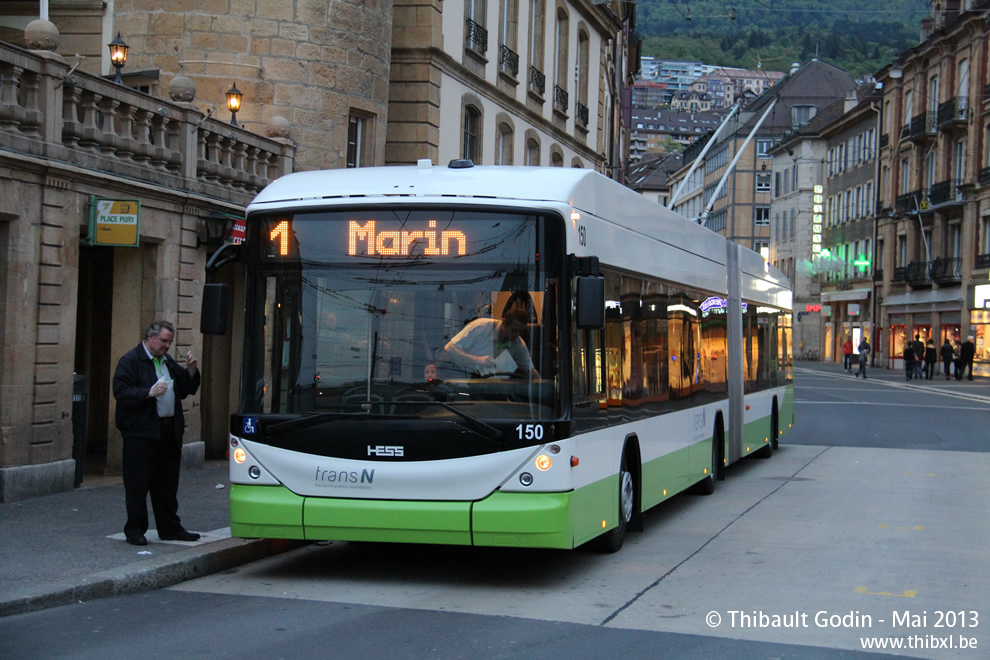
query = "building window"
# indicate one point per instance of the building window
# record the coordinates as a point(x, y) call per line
point(762, 215)
point(763, 147)
point(560, 51)
point(556, 159)
point(532, 152)
point(503, 145)
point(762, 183)
point(802, 114)
point(355, 136)
point(763, 248)
point(471, 148)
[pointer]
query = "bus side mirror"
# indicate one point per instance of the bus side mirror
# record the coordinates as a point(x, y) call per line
point(590, 303)
point(213, 316)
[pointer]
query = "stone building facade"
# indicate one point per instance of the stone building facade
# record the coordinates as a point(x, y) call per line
point(935, 186)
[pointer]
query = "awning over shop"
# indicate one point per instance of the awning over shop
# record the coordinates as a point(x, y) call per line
point(851, 294)
point(938, 300)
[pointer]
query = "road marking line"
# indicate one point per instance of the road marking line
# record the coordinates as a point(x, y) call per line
point(907, 594)
point(916, 528)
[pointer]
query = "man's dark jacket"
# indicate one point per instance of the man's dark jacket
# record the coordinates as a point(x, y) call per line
point(137, 414)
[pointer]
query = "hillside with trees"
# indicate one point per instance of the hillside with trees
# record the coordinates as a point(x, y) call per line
point(858, 37)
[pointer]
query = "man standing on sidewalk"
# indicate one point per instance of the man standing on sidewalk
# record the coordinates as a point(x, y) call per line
point(149, 386)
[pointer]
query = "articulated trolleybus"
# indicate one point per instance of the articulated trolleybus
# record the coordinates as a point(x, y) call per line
point(492, 356)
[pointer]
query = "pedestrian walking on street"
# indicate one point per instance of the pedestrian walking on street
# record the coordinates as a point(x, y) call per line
point(149, 386)
point(966, 355)
point(931, 359)
point(847, 354)
point(864, 355)
point(919, 356)
point(947, 357)
point(909, 360)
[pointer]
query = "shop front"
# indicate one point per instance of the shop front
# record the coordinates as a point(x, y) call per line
point(932, 314)
point(847, 316)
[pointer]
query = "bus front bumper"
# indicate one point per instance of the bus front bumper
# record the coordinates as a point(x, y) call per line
point(535, 520)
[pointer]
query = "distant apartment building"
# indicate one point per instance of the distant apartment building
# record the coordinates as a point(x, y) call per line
point(740, 208)
point(648, 94)
point(655, 131)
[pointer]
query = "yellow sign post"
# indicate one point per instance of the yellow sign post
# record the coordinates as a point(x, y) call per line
point(114, 222)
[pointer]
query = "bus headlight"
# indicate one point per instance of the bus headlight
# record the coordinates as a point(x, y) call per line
point(543, 462)
point(240, 455)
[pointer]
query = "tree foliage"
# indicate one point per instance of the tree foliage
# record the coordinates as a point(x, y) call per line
point(857, 37)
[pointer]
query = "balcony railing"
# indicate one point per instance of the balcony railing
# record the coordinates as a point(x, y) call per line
point(94, 124)
point(878, 275)
point(983, 261)
point(900, 274)
point(952, 111)
point(922, 126)
point(905, 203)
point(947, 271)
point(508, 61)
point(984, 176)
point(919, 273)
point(581, 112)
point(476, 38)
point(945, 191)
point(884, 140)
point(537, 81)
point(560, 99)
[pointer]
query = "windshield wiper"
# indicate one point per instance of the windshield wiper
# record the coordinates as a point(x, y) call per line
point(472, 422)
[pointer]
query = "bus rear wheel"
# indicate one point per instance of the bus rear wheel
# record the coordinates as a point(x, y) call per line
point(611, 541)
point(707, 485)
point(774, 427)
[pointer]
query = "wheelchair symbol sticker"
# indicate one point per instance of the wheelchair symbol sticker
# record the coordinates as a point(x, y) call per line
point(249, 425)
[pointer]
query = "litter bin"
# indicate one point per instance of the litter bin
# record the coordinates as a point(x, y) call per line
point(79, 425)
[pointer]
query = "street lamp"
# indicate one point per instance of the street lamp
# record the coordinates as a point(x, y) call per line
point(118, 56)
point(234, 97)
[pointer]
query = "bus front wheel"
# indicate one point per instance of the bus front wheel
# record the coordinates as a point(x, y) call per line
point(611, 541)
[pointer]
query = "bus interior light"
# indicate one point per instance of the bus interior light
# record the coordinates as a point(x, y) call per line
point(543, 462)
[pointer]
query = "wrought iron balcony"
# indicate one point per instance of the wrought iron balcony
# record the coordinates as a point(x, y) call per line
point(923, 126)
point(919, 273)
point(878, 275)
point(984, 176)
point(945, 191)
point(508, 61)
point(900, 274)
point(560, 99)
point(983, 261)
point(537, 81)
point(947, 271)
point(477, 37)
point(953, 111)
point(581, 112)
point(905, 203)
point(884, 140)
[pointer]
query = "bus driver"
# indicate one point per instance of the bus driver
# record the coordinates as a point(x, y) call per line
point(478, 346)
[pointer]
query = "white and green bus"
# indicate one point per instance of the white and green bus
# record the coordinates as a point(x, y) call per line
point(653, 353)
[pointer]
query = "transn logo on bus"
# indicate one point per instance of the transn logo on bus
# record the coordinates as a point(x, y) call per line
point(344, 476)
point(401, 243)
point(385, 450)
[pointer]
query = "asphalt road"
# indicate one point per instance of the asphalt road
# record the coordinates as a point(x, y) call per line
point(870, 523)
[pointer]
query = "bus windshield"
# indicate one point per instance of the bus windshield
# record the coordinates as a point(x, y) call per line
point(402, 313)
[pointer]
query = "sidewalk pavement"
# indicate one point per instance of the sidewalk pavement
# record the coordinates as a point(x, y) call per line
point(70, 547)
